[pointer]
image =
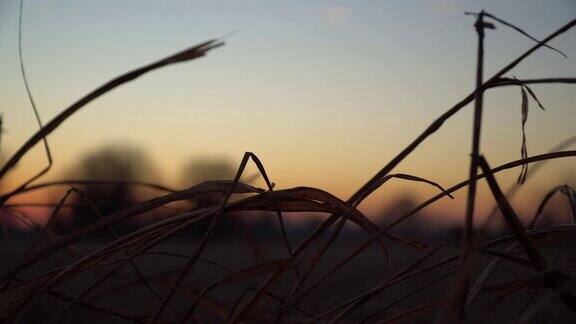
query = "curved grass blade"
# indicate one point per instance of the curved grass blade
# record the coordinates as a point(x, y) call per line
point(183, 56)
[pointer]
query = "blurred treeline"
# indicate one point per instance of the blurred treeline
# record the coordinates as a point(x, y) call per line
point(127, 165)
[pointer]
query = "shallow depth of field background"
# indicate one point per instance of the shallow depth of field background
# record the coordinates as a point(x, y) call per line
point(325, 92)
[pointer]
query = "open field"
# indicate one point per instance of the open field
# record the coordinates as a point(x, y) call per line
point(358, 276)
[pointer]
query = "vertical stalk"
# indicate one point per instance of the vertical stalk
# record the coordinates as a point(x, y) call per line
point(468, 230)
point(467, 239)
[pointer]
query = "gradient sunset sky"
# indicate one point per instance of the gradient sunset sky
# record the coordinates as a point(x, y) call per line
point(324, 92)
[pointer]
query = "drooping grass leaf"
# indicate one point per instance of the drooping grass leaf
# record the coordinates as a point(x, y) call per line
point(524, 150)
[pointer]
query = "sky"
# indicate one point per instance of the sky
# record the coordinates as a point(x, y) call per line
point(324, 92)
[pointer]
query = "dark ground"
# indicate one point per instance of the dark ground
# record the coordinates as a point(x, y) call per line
point(358, 276)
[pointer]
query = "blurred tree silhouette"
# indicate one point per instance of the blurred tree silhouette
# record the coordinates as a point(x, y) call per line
point(400, 205)
point(202, 169)
point(112, 162)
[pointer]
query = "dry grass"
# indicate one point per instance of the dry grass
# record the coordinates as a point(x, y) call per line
point(119, 279)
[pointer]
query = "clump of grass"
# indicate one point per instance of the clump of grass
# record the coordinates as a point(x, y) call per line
point(285, 288)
